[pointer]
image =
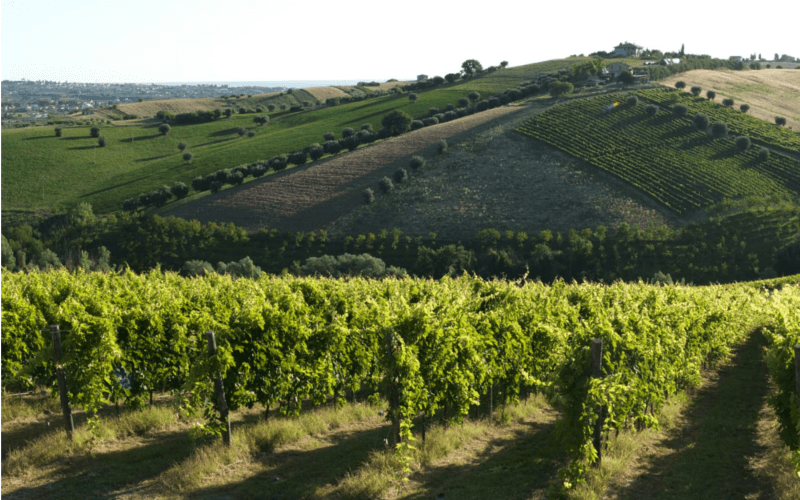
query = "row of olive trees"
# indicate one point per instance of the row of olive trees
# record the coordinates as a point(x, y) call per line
point(156, 198)
point(728, 102)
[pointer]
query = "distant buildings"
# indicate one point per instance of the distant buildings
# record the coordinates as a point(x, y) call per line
point(626, 49)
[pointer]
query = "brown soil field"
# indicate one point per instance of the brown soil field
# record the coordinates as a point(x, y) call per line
point(497, 178)
point(323, 93)
point(150, 108)
point(315, 196)
point(769, 92)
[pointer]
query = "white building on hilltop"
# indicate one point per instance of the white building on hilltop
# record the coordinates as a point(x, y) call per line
point(626, 49)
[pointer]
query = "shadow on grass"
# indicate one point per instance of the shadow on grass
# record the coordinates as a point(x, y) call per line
point(527, 463)
point(101, 474)
point(709, 456)
point(227, 131)
point(43, 137)
point(154, 157)
point(140, 138)
point(218, 141)
point(80, 148)
point(298, 473)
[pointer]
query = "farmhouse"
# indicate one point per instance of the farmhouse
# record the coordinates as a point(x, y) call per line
point(667, 61)
point(626, 49)
point(614, 69)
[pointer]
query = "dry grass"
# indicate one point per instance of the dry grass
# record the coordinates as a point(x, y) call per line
point(323, 93)
point(150, 108)
point(769, 92)
point(444, 447)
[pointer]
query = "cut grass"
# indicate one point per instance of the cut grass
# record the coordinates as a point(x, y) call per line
point(382, 475)
point(46, 448)
point(262, 437)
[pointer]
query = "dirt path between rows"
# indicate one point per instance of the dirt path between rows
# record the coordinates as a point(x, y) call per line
point(315, 196)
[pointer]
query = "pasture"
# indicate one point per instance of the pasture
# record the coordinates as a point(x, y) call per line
point(42, 171)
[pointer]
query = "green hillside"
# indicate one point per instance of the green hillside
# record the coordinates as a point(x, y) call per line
point(665, 156)
point(44, 171)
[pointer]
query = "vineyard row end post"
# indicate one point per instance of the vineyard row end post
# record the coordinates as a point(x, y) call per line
point(219, 391)
point(797, 370)
point(597, 365)
point(55, 333)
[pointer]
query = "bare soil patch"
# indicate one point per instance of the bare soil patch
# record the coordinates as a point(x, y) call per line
point(497, 178)
point(316, 196)
point(150, 108)
point(769, 92)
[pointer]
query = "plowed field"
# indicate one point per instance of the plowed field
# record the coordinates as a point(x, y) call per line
point(314, 197)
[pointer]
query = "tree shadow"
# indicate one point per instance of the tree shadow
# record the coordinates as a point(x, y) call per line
point(44, 137)
point(218, 141)
point(154, 157)
point(709, 456)
point(79, 148)
point(140, 138)
point(227, 131)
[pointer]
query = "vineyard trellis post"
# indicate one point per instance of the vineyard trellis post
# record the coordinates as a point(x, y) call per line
point(797, 370)
point(597, 365)
point(394, 404)
point(55, 333)
point(219, 391)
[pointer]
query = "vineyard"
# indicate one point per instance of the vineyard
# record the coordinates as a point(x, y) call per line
point(664, 155)
point(426, 348)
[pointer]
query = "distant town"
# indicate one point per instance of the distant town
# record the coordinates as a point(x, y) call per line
point(32, 100)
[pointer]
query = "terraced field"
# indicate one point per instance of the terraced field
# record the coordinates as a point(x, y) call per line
point(664, 156)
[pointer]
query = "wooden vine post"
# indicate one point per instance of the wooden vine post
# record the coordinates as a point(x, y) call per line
point(797, 370)
point(597, 365)
point(394, 404)
point(219, 391)
point(55, 333)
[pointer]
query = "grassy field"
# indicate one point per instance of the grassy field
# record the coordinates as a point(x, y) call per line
point(42, 171)
point(664, 156)
point(768, 92)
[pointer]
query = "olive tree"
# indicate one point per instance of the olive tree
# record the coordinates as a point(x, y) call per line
point(744, 108)
point(94, 131)
point(680, 110)
point(412, 97)
point(700, 121)
point(187, 157)
point(696, 91)
point(471, 66)
point(719, 130)
point(473, 96)
point(396, 122)
point(711, 95)
point(742, 143)
point(728, 102)
point(680, 85)
point(181, 146)
point(779, 120)
point(164, 128)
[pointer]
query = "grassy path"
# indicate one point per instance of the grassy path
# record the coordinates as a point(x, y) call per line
point(714, 450)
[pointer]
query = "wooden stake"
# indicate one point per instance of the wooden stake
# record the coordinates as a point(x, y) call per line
point(393, 402)
point(797, 370)
point(55, 333)
point(219, 391)
point(597, 365)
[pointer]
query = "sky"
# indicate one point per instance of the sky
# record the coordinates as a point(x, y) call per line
point(263, 40)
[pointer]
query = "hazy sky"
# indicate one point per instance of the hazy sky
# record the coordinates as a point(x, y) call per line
point(262, 40)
